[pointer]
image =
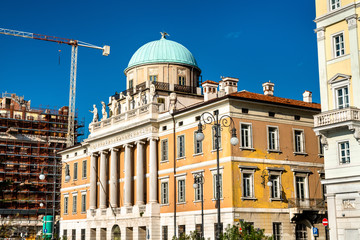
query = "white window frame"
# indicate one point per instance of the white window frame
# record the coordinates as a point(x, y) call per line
point(164, 152)
point(164, 194)
point(277, 237)
point(181, 190)
point(300, 141)
point(333, 44)
point(74, 203)
point(84, 169)
point(197, 191)
point(153, 78)
point(337, 82)
point(66, 204)
point(277, 139)
point(249, 136)
point(249, 170)
point(213, 137)
point(304, 174)
point(83, 202)
point(346, 150)
point(180, 147)
point(336, 93)
point(75, 171)
point(196, 143)
point(214, 173)
point(275, 185)
point(334, 5)
point(181, 80)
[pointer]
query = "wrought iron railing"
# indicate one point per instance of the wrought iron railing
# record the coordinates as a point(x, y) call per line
point(161, 86)
point(307, 203)
point(337, 116)
point(182, 88)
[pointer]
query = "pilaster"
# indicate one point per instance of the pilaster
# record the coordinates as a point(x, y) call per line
point(320, 32)
point(93, 170)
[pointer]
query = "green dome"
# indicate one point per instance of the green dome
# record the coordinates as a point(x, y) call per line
point(162, 51)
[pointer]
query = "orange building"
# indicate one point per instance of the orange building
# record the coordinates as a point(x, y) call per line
point(135, 172)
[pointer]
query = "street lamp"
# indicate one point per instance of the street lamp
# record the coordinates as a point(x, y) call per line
point(199, 183)
point(218, 124)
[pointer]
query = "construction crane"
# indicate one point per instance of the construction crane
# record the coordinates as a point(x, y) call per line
point(74, 51)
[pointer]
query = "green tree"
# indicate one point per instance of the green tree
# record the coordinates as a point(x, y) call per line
point(247, 232)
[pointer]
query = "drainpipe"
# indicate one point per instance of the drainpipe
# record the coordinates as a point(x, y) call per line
point(174, 159)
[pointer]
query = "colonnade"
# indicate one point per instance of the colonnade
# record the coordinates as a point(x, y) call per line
point(114, 176)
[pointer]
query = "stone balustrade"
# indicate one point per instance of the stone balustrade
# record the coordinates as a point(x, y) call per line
point(337, 116)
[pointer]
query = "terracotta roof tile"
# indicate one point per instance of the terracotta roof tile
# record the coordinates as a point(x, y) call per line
point(209, 81)
point(273, 99)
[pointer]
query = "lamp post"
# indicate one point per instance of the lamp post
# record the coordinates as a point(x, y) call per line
point(199, 183)
point(218, 124)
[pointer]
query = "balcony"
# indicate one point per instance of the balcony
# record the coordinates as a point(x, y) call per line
point(337, 118)
point(307, 203)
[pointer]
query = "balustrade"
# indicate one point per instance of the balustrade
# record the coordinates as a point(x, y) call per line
point(337, 116)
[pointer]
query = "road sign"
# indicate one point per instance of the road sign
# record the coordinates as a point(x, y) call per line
point(45, 230)
point(325, 222)
point(315, 232)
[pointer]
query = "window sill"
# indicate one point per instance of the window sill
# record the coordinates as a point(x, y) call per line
point(300, 153)
point(198, 154)
point(213, 199)
point(164, 204)
point(247, 149)
point(276, 200)
point(84, 178)
point(214, 150)
point(74, 213)
point(180, 158)
point(197, 201)
point(274, 151)
point(248, 198)
point(83, 212)
point(180, 203)
point(321, 155)
point(164, 161)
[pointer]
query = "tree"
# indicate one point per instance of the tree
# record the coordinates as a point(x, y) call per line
point(247, 232)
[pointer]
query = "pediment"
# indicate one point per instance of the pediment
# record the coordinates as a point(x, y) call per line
point(339, 77)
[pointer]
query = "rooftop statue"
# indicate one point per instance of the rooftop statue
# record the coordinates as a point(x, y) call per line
point(103, 111)
point(96, 115)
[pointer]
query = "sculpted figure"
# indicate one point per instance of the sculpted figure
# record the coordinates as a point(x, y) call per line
point(113, 105)
point(103, 111)
point(139, 97)
point(152, 92)
point(122, 95)
point(173, 100)
point(96, 115)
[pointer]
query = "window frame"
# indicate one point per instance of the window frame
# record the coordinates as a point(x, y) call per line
point(181, 198)
point(302, 174)
point(344, 97)
point(181, 80)
point(213, 137)
point(301, 141)
point(276, 140)
point(214, 177)
point(335, 5)
point(180, 146)
point(249, 170)
point(198, 147)
point(83, 202)
point(347, 153)
point(75, 171)
point(155, 76)
point(164, 199)
point(249, 137)
point(84, 169)
point(333, 44)
point(164, 152)
point(74, 204)
point(277, 230)
point(272, 176)
point(66, 204)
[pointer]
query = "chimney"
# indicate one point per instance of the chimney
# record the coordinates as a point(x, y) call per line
point(307, 96)
point(210, 89)
point(23, 110)
point(268, 88)
point(11, 110)
point(230, 84)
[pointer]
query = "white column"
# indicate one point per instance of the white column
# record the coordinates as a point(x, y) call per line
point(140, 173)
point(103, 179)
point(153, 198)
point(93, 180)
point(128, 176)
point(331, 205)
point(354, 54)
point(114, 178)
point(322, 69)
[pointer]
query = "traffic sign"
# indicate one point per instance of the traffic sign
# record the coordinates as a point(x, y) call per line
point(325, 222)
point(315, 232)
point(45, 230)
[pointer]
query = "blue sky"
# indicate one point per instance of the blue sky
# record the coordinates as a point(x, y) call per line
point(255, 41)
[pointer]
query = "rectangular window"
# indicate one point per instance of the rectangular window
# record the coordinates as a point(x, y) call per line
point(300, 188)
point(73, 234)
point(67, 170)
point(344, 150)
point(277, 231)
point(74, 204)
point(84, 166)
point(164, 192)
point(275, 188)
point(66, 205)
point(342, 95)
point(65, 234)
point(164, 150)
point(334, 4)
point(75, 171)
point(216, 229)
point(273, 138)
point(198, 229)
point(299, 141)
point(214, 185)
point(131, 83)
point(83, 234)
point(247, 185)
point(197, 145)
point(181, 230)
point(153, 78)
point(181, 191)
point(198, 192)
point(83, 203)
point(181, 146)
point(246, 135)
point(338, 42)
point(216, 135)
point(164, 232)
point(182, 80)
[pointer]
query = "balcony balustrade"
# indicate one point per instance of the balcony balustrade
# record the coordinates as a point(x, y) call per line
point(336, 116)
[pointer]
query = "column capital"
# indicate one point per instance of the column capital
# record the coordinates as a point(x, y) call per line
point(104, 152)
point(320, 32)
point(114, 149)
point(152, 138)
point(352, 21)
point(95, 154)
point(140, 142)
point(127, 145)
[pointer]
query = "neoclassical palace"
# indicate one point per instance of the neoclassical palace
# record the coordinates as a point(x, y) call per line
point(133, 177)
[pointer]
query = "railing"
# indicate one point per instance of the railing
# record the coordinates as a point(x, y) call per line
point(161, 86)
point(187, 89)
point(337, 116)
point(306, 203)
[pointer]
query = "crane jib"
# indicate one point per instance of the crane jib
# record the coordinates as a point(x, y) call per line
point(54, 39)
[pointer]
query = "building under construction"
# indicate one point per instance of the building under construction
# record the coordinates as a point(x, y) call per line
point(29, 141)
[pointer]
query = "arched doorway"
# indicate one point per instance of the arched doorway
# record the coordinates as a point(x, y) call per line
point(115, 233)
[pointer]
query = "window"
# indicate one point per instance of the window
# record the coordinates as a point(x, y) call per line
point(300, 188)
point(73, 234)
point(277, 231)
point(181, 191)
point(271, 114)
point(164, 150)
point(83, 234)
point(65, 234)
point(182, 80)
point(181, 146)
point(216, 134)
point(83, 203)
point(164, 232)
point(246, 135)
point(216, 229)
point(344, 150)
point(164, 192)
point(299, 141)
point(247, 185)
point(245, 110)
point(321, 146)
point(153, 78)
point(301, 232)
point(131, 83)
point(338, 45)
point(67, 170)
point(198, 229)
point(275, 191)
point(75, 171)
point(197, 145)
point(334, 4)
point(273, 139)
point(198, 192)
point(84, 166)
point(214, 185)
point(342, 97)
point(66, 205)
point(181, 230)
point(74, 203)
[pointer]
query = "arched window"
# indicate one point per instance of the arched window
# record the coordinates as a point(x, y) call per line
point(115, 233)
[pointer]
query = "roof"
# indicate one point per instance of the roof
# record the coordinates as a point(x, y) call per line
point(273, 99)
point(162, 51)
point(209, 81)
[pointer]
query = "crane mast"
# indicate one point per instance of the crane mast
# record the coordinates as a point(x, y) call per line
point(73, 68)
